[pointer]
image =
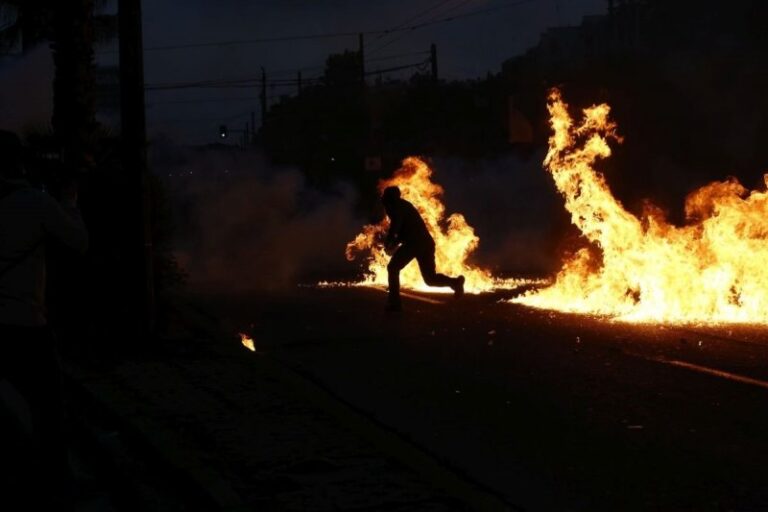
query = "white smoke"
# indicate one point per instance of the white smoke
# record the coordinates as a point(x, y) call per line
point(245, 225)
point(514, 208)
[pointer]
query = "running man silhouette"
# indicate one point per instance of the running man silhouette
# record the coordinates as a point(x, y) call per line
point(408, 238)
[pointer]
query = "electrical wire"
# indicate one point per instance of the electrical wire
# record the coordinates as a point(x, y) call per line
point(332, 35)
point(256, 82)
point(450, 9)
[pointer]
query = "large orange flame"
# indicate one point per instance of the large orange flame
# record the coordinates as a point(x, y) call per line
point(711, 270)
point(455, 240)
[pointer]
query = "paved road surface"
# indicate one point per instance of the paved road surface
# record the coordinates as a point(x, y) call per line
point(548, 411)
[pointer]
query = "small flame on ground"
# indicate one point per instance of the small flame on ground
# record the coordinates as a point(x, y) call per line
point(455, 239)
point(711, 270)
point(247, 342)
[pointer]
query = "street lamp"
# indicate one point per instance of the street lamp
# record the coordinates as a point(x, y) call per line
point(246, 133)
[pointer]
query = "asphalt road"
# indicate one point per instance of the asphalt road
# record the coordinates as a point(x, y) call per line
point(548, 411)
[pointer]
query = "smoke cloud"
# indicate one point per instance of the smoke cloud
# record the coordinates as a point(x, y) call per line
point(244, 225)
point(513, 206)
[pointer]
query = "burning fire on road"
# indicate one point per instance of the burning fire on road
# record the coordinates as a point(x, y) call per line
point(247, 342)
point(455, 239)
point(644, 269)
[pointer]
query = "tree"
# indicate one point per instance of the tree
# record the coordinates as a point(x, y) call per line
point(72, 28)
point(25, 23)
point(343, 69)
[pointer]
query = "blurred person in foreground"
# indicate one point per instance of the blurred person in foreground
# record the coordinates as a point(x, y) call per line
point(29, 219)
point(409, 238)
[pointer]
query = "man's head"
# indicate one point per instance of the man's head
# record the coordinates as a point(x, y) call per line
point(11, 157)
point(390, 195)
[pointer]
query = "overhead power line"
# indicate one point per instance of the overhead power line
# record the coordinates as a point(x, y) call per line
point(256, 81)
point(398, 56)
point(332, 35)
point(416, 16)
point(201, 120)
point(281, 74)
point(202, 100)
point(237, 42)
point(400, 35)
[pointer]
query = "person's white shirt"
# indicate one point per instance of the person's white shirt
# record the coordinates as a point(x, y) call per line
point(28, 217)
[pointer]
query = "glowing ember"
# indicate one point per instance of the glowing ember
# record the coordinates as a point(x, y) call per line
point(711, 270)
point(247, 342)
point(455, 240)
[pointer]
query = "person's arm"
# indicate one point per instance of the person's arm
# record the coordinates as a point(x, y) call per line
point(395, 225)
point(63, 222)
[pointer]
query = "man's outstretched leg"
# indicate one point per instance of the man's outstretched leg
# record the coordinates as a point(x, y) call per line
point(426, 260)
point(399, 260)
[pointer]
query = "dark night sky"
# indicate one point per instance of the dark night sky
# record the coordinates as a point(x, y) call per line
point(467, 48)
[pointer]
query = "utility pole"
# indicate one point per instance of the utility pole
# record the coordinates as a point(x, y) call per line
point(253, 127)
point(263, 97)
point(134, 142)
point(361, 44)
point(246, 135)
point(433, 61)
point(298, 81)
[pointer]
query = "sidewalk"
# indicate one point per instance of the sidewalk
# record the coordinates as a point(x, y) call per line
point(238, 431)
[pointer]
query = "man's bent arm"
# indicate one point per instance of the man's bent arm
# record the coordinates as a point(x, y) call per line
point(395, 225)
